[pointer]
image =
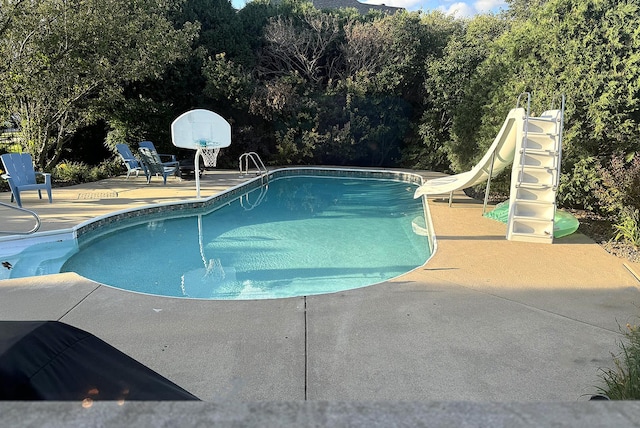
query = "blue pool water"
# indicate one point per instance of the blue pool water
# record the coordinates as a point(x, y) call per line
point(307, 235)
point(304, 236)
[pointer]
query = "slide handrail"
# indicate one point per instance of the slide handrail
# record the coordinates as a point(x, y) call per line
point(525, 133)
point(528, 94)
point(560, 132)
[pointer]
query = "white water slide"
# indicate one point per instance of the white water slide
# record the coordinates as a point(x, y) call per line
point(498, 157)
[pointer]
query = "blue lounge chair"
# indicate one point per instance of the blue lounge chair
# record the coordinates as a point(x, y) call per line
point(164, 157)
point(130, 161)
point(154, 166)
point(21, 176)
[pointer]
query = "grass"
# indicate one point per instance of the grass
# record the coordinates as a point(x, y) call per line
point(623, 381)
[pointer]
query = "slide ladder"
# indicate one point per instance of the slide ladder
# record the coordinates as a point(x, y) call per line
point(535, 177)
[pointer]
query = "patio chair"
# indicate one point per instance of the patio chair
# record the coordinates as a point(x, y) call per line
point(163, 156)
point(21, 176)
point(129, 160)
point(154, 166)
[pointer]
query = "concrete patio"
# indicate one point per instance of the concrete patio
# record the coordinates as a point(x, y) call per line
point(484, 321)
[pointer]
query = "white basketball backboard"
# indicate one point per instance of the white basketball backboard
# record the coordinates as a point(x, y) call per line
point(200, 129)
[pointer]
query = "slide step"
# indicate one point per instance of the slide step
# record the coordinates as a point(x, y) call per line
point(536, 160)
point(540, 143)
point(535, 202)
point(534, 186)
point(542, 127)
point(539, 176)
point(537, 134)
point(539, 152)
point(543, 119)
point(532, 226)
point(527, 237)
point(537, 168)
point(534, 210)
point(532, 217)
point(541, 195)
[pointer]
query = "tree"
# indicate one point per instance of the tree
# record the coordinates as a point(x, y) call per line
point(366, 48)
point(460, 84)
point(300, 46)
point(66, 62)
point(587, 50)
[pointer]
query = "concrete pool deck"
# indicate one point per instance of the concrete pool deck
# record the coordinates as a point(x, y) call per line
point(484, 321)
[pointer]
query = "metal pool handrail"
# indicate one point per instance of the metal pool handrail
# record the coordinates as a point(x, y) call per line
point(255, 159)
point(37, 226)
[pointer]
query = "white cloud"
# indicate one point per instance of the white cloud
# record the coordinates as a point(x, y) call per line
point(489, 5)
point(407, 4)
point(458, 10)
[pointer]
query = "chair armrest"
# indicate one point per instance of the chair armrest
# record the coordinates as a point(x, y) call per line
point(172, 158)
point(46, 175)
point(131, 162)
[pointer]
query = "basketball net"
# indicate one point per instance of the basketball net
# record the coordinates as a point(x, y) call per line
point(210, 156)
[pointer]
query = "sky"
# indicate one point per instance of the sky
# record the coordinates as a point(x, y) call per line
point(457, 8)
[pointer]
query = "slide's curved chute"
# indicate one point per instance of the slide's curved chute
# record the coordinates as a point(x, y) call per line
point(503, 147)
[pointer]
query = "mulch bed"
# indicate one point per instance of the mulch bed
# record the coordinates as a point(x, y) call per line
point(601, 230)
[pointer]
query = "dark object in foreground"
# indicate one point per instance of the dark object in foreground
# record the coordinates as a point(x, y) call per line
point(50, 360)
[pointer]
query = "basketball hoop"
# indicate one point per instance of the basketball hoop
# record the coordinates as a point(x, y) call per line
point(203, 131)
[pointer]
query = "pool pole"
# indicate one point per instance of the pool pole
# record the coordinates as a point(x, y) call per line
point(196, 164)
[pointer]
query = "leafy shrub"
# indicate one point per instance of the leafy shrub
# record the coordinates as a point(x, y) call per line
point(79, 172)
point(107, 168)
point(294, 147)
point(576, 190)
point(623, 381)
point(628, 226)
point(71, 172)
point(10, 148)
point(618, 194)
point(619, 186)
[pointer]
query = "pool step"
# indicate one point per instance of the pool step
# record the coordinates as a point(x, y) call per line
point(43, 258)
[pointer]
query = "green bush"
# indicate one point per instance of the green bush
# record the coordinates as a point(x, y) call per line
point(576, 190)
point(623, 381)
point(618, 194)
point(628, 226)
point(78, 172)
point(70, 172)
point(619, 186)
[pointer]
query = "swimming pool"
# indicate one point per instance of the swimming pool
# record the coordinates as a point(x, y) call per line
point(302, 234)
